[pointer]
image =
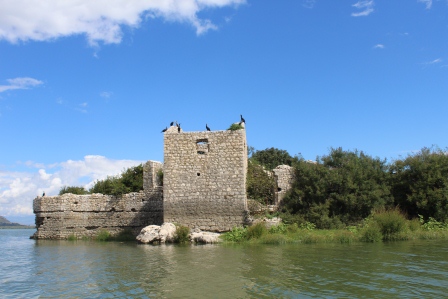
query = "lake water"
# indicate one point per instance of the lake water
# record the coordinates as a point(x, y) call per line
point(86, 269)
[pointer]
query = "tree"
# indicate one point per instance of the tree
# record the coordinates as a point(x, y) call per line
point(420, 183)
point(342, 186)
point(73, 190)
point(272, 157)
point(260, 185)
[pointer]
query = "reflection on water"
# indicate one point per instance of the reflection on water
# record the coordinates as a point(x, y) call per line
point(83, 269)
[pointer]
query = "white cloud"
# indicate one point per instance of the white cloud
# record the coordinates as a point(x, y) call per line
point(308, 3)
point(435, 61)
point(18, 189)
point(378, 46)
point(428, 3)
point(366, 7)
point(20, 83)
point(106, 94)
point(99, 20)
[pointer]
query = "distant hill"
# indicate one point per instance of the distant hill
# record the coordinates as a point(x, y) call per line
point(5, 223)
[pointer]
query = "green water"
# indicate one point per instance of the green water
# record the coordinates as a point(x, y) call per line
point(83, 269)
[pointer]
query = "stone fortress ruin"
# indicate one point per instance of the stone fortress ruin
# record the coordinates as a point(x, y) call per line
point(203, 187)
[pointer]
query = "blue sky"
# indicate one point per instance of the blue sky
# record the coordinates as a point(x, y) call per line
point(86, 87)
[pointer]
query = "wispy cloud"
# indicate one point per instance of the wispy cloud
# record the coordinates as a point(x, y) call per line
point(18, 189)
point(99, 20)
point(435, 61)
point(428, 3)
point(378, 46)
point(365, 7)
point(309, 3)
point(20, 83)
point(106, 94)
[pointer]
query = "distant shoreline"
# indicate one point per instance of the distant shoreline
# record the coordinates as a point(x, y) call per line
point(17, 227)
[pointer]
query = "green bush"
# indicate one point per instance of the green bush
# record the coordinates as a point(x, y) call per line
point(73, 190)
point(260, 186)
point(182, 234)
point(392, 223)
point(72, 237)
point(278, 229)
point(371, 233)
point(237, 234)
point(256, 231)
point(103, 236)
point(234, 127)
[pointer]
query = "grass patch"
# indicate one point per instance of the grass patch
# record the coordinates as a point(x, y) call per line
point(125, 235)
point(182, 234)
point(103, 236)
point(72, 237)
point(234, 127)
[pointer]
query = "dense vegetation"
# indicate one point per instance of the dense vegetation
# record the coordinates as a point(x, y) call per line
point(382, 225)
point(343, 188)
point(130, 180)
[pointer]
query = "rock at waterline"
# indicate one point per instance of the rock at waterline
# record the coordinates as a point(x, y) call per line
point(166, 233)
point(156, 233)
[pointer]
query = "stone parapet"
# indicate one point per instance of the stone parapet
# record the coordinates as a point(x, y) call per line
point(58, 217)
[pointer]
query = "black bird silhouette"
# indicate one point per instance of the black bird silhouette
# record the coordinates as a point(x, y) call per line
point(178, 128)
point(206, 126)
point(171, 123)
point(43, 194)
point(164, 130)
point(242, 119)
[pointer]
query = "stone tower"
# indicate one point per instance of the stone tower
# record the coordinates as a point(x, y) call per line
point(204, 180)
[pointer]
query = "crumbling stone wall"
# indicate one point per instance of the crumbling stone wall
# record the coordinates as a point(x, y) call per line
point(58, 217)
point(284, 178)
point(204, 183)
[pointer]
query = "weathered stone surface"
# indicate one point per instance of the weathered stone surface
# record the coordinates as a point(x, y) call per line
point(284, 177)
point(149, 234)
point(204, 183)
point(205, 237)
point(268, 222)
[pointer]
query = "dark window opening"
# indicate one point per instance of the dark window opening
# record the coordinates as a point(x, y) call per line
point(279, 189)
point(198, 174)
point(201, 153)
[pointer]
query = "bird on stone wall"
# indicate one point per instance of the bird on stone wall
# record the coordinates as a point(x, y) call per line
point(178, 128)
point(43, 194)
point(207, 128)
point(164, 130)
point(242, 119)
point(171, 123)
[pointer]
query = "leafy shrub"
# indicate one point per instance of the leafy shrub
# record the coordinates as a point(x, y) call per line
point(307, 225)
point(371, 233)
point(72, 237)
point(73, 190)
point(182, 234)
point(256, 231)
point(431, 224)
point(131, 180)
point(237, 234)
point(278, 229)
point(344, 237)
point(260, 185)
point(160, 177)
point(272, 157)
point(391, 222)
point(103, 236)
point(414, 225)
point(234, 127)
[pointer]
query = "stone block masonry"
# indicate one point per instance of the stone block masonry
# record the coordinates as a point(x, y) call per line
point(58, 217)
point(204, 183)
